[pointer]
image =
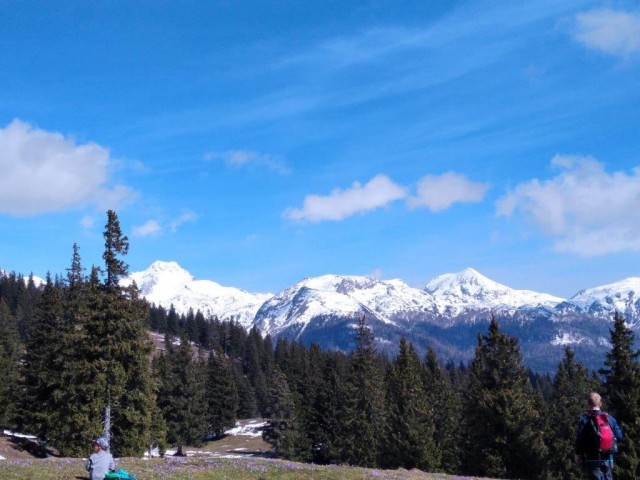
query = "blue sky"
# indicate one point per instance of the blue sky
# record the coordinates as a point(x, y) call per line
point(257, 143)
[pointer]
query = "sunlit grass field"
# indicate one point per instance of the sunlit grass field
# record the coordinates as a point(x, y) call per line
point(173, 468)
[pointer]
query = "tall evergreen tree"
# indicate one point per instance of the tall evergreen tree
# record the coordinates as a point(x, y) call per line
point(622, 395)
point(283, 432)
point(181, 395)
point(446, 403)
point(503, 434)
point(10, 354)
point(571, 385)
point(116, 349)
point(116, 246)
point(43, 409)
point(325, 416)
point(364, 411)
point(410, 443)
point(221, 394)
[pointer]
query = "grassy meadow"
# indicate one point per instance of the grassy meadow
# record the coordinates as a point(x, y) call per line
point(173, 468)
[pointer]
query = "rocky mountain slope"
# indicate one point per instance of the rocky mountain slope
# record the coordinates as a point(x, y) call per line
point(447, 314)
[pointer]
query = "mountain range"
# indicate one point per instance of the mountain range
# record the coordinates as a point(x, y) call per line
point(447, 314)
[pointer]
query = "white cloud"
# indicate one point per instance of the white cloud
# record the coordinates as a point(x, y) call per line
point(149, 228)
point(439, 192)
point(585, 209)
point(340, 204)
point(46, 172)
point(87, 222)
point(243, 158)
point(186, 217)
point(609, 31)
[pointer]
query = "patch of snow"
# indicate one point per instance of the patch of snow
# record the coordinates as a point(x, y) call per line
point(252, 429)
point(568, 338)
point(2, 458)
point(9, 433)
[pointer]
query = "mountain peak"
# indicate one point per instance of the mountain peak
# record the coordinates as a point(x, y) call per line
point(464, 280)
point(456, 293)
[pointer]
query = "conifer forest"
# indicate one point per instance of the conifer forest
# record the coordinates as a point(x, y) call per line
point(79, 344)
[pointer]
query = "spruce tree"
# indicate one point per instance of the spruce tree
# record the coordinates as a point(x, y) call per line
point(410, 443)
point(446, 403)
point(221, 394)
point(116, 349)
point(622, 396)
point(283, 432)
point(325, 416)
point(10, 354)
point(181, 395)
point(364, 410)
point(503, 435)
point(571, 385)
point(44, 409)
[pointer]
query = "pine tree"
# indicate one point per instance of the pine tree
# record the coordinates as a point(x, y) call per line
point(446, 404)
point(571, 385)
point(283, 432)
point(410, 442)
point(364, 410)
point(181, 395)
point(503, 434)
point(221, 394)
point(43, 407)
point(622, 396)
point(325, 416)
point(116, 245)
point(115, 348)
point(10, 354)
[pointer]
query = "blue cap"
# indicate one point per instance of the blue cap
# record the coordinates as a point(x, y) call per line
point(102, 443)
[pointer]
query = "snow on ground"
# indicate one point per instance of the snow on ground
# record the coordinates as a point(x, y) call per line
point(9, 433)
point(252, 429)
point(2, 458)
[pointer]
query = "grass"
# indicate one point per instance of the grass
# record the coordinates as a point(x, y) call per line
point(173, 468)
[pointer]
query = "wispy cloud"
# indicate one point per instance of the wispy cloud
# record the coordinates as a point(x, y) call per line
point(245, 158)
point(614, 32)
point(148, 229)
point(439, 192)
point(45, 171)
point(87, 222)
point(153, 228)
point(340, 204)
point(187, 217)
point(584, 209)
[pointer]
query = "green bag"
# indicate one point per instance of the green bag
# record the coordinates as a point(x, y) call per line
point(120, 474)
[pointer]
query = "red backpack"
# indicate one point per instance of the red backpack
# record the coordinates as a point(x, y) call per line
point(603, 439)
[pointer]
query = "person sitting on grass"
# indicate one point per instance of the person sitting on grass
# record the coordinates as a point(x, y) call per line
point(101, 461)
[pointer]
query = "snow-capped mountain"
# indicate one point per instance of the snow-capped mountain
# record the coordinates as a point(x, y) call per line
point(455, 294)
point(447, 314)
point(346, 297)
point(36, 280)
point(166, 284)
point(603, 301)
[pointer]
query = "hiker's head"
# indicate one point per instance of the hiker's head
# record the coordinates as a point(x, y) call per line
point(594, 400)
point(101, 443)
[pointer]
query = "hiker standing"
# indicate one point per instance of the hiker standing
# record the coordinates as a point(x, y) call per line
point(100, 462)
point(596, 440)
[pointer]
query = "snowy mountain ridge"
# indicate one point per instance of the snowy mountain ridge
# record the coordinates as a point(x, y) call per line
point(443, 300)
point(457, 293)
point(166, 284)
